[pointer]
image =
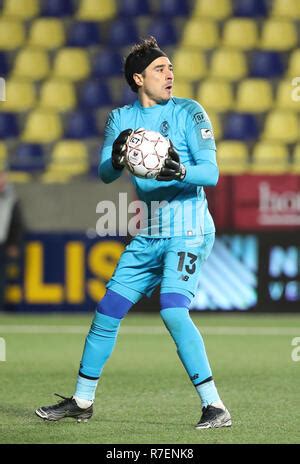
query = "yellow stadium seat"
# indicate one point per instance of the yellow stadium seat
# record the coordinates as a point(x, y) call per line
point(3, 156)
point(233, 157)
point(279, 34)
point(183, 89)
point(282, 126)
point(240, 33)
point(201, 34)
point(254, 96)
point(228, 64)
point(296, 159)
point(285, 98)
point(24, 9)
point(70, 157)
point(189, 64)
point(216, 124)
point(52, 177)
point(47, 33)
point(286, 8)
point(294, 64)
point(58, 94)
point(20, 95)
point(96, 10)
point(270, 158)
point(42, 127)
point(12, 34)
point(19, 177)
point(32, 63)
point(217, 9)
point(215, 94)
point(71, 63)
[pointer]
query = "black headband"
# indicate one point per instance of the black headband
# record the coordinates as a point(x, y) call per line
point(138, 63)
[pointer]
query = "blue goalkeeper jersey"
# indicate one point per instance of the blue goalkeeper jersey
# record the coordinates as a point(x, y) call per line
point(174, 208)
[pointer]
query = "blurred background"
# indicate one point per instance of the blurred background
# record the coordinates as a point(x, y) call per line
point(61, 74)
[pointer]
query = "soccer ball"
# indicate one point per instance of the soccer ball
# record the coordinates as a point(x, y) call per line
point(146, 153)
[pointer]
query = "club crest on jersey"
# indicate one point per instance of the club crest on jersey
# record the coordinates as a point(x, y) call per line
point(207, 134)
point(164, 128)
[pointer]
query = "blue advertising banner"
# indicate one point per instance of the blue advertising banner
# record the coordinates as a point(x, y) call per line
point(68, 272)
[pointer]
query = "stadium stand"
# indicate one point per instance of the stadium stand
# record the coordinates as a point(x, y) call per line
point(96, 10)
point(63, 67)
point(42, 126)
point(190, 64)
point(215, 94)
point(281, 126)
point(254, 96)
point(58, 95)
point(266, 64)
point(217, 9)
point(228, 64)
point(270, 158)
point(233, 157)
point(200, 34)
point(12, 33)
point(83, 34)
point(279, 34)
point(69, 157)
point(71, 63)
point(250, 8)
point(132, 8)
point(25, 9)
point(57, 8)
point(47, 33)
point(286, 9)
point(20, 95)
point(31, 63)
point(3, 155)
point(9, 127)
point(240, 33)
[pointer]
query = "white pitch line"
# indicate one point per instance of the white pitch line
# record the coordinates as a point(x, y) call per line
point(148, 330)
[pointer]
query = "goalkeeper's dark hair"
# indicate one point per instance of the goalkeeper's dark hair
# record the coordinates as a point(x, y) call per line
point(140, 56)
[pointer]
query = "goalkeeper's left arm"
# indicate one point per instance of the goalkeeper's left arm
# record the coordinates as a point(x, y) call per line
point(204, 173)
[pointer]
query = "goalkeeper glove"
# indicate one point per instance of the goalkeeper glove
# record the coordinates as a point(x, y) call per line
point(119, 149)
point(172, 169)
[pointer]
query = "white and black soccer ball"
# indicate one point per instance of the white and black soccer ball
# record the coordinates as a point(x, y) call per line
point(146, 153)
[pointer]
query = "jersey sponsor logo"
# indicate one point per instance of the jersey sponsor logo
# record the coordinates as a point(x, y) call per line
point(199, 117)
point(164, 128)
point(207, 134)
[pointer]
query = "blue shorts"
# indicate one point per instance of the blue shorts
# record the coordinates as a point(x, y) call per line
point(172, 262)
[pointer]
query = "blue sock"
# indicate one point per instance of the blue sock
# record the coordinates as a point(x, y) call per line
point(99, 345)
point(208, 393)
point(189, 343)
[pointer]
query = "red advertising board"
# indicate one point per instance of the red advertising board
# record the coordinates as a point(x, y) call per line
point(266, 202)
point(220, 203)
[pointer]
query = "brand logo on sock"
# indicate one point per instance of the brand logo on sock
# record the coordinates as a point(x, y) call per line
point(195, 377)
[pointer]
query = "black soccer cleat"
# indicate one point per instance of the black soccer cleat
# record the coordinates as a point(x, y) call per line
point(213, 417)
point(66, 408)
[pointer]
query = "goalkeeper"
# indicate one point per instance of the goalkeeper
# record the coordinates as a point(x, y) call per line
point(170, 248)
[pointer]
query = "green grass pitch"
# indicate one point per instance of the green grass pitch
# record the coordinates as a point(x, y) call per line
point(145, 395)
